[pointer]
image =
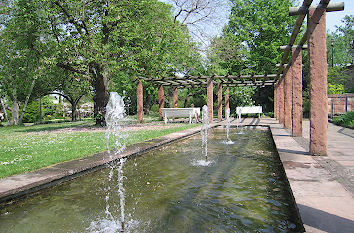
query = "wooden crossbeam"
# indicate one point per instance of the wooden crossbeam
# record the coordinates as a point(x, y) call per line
point(337, 6)
point(287, 47)
point(294, 34)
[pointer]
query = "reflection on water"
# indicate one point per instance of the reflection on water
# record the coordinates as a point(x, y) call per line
point(241, 191)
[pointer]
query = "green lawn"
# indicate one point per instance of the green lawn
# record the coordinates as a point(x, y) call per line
point(27, 148)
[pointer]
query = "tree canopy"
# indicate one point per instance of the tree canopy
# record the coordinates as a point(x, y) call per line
point(105, 43)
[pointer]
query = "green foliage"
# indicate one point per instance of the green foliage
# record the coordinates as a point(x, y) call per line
point(337, 80)
point(341, 42)
point(263, 26)
point(346, 120)
point(250, 44)
point(335, 88)
point(226, 55)
point(241, 96)
point(269, 114)
point(32, 114)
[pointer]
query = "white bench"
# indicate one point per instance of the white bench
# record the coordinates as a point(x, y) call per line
point(180, 112)
point(248, 109)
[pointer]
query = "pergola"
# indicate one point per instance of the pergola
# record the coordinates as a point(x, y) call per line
point(287, 82)
point(176, 82)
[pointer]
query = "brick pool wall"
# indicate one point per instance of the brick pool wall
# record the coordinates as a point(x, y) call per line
point(338, 101)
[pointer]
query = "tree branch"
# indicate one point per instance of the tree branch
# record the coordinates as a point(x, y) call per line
point(71, 19)
point(70, 68)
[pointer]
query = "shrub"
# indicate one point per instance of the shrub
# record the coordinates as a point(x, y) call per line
point(346, 120)
point(269, 114)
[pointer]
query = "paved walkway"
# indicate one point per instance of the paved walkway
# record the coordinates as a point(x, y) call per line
point(323, 187)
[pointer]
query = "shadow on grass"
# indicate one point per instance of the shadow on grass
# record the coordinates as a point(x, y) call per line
point(49, 127)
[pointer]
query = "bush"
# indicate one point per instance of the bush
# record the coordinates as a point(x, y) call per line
point(154, 108)
point(346, 120)
point(269, 114)
point(32, 110)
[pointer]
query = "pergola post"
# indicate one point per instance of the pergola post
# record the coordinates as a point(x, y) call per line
point(139, 99)
point(160, 100)
point(296, 73)
point(175, 98)
point(210, 99)
point(287, 97)
point(281, 101)
point(317, 50)
point(219, 102)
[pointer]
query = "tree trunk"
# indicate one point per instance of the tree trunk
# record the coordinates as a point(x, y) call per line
point(186, 101)
point(148, 104)
point(5, 113)
point(40, 109)
point(26, 101)
point(73, 111)
point(100, 85)
point(15, 105)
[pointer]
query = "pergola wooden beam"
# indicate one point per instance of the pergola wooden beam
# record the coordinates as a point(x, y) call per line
point(337, 6)
point(287, 47)
point(227, 80)
point(294, 34)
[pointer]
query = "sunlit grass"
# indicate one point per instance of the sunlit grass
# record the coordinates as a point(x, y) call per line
point(27, 148)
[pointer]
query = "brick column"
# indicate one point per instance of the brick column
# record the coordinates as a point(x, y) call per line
point(175, 98)
point(160, 100)
point(139, 99)
point(317, 50)
point(227, 100)
point(281, 101)
point(287, 97)
point(219, 102)
point(296, 73)
point(210, 99)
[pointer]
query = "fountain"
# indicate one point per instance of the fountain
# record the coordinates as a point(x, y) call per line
point(228, 123)
point(115, 112)
point(244, 190)
point(204, 131)
point(204, 134)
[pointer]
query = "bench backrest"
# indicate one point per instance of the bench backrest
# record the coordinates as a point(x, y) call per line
point(180, 112)
point(249, 109)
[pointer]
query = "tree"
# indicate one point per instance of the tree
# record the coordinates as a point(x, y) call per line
point(263, 26)
point(72, 87)
point(341, 42)
point(199, 16)
point(104, 39)
point(258, 28)
point(226, 55)
point(20, 54)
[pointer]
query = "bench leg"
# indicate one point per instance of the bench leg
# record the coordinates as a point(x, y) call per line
point(165, 118)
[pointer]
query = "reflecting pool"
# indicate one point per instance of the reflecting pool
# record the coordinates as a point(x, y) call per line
point(241, 189)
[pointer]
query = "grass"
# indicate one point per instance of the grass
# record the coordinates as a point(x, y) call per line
point(28, 148)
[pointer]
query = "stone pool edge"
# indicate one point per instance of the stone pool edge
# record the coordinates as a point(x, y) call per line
point(17, 186)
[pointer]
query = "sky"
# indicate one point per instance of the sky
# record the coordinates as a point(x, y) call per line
point(334, 18)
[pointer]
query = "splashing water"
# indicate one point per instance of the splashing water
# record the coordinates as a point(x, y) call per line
point(115, 112)
point(228, 123)
point(204, 131)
